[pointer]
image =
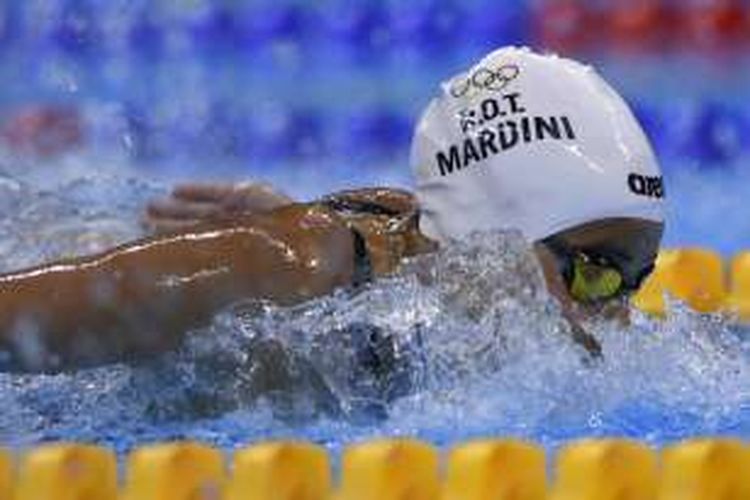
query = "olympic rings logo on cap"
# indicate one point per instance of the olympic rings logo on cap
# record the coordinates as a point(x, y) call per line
point(494, 79)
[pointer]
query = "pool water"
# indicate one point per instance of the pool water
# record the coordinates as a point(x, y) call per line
point(477, 349)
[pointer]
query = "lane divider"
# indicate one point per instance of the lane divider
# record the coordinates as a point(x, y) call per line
point(387, 469)
point(67, 471)
point(499, 469)
point(606, 470)
point(706, 470)
point(175, 471)
point(280, 470)
point(701, 279)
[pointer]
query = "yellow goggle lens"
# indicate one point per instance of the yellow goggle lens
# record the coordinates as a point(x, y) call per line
point(593, 282)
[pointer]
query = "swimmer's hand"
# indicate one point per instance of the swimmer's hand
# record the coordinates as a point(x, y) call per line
point(193, 203)
point(571, 311)
point(585, 339)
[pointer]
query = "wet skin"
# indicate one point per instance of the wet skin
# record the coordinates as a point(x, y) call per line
point(141, 298)
point(217, 245)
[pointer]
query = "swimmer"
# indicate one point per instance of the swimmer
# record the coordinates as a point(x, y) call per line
point(521, 141)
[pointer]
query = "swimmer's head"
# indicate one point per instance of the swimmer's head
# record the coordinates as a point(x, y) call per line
point(543, 145)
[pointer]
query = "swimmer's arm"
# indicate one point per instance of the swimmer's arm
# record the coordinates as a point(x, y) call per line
point(189, 204)
point(142, 298)
point(387, 217)
point(193, 203)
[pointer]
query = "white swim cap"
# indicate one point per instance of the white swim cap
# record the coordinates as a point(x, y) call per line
point(533, 142)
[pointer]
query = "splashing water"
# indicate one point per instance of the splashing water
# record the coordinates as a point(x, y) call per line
point(459, 344)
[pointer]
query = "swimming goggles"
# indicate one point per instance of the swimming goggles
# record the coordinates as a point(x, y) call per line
point(594, 277)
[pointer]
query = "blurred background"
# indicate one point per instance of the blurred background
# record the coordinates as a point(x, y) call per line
point(107, 103)
point(322, 95)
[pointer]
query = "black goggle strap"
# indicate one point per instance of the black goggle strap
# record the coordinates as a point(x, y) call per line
point(564, 257)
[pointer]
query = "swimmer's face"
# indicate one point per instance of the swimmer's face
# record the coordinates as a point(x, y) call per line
point(600, 263)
